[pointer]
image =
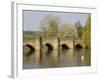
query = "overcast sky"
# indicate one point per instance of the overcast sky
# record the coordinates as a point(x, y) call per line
point(32, 19)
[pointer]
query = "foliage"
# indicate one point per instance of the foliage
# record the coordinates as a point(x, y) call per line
point(86, 33)
point(49, 25)
point(79, 28)
point(67, 30)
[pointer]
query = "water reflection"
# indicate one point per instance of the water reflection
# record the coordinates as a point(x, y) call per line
point(53, 58)
point(49, 59)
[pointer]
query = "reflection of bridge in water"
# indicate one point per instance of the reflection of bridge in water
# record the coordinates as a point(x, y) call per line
point(52, 43)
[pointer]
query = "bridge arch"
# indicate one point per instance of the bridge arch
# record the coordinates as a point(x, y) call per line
point(78, 46)
point(64, 46)
point(32, 49)
point(49, 46)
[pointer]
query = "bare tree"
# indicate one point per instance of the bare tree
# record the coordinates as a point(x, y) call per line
point(67, 30)
point(79, 28)
point(49, 25)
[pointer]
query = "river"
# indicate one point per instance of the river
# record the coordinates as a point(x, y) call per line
point(55, 58)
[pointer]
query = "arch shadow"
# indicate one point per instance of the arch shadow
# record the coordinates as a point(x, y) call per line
point(78, 46)
point(49, 46)
point(30, 50)
point(64, 46)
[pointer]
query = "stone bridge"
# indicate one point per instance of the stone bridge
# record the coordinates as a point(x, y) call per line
point(53, 43)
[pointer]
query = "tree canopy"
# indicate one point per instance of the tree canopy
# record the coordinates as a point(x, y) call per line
point(67, 29)
point(86, 36)
point(49, 25)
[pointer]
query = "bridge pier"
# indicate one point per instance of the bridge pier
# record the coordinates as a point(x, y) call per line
point(73, 43)
point(58, 46)
point(40, 48)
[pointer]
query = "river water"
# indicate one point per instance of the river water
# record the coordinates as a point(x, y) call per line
point(55, 58)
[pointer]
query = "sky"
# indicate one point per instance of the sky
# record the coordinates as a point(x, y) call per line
point(32, 19)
